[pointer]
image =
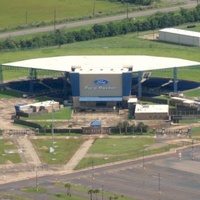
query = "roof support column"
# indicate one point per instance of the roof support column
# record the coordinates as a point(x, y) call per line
point(140, 84)
point(175, 79)
point(1, 78)
point(32, 77)
point(65, 84)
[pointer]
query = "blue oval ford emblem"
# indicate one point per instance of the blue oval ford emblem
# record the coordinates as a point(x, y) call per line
point(101, 81)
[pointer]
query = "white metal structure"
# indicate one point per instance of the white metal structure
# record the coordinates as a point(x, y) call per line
point(110, 64)
point(151, 108)
point(179, 36)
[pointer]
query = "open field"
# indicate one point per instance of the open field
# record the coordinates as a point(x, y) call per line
point(22, 11)
point(8, 158)
point(64, 149)
point(111, 150)
point(192, 93)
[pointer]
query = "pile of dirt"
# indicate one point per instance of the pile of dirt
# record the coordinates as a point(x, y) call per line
point(8, 162)
point(9, 143)
point(44, 148)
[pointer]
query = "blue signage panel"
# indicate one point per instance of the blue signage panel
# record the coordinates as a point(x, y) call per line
point(126, 83)
point(75, 84)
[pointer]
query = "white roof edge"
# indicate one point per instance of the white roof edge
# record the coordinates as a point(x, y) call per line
point(138, 62)
point(180, 31)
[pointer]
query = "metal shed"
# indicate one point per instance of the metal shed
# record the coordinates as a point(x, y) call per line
point(179, 36)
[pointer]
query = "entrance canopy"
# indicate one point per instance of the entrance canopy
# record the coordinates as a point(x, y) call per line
point(82, 99)
point(102, 64)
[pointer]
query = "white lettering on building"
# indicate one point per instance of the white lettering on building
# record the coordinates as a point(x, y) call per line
point(100, 87)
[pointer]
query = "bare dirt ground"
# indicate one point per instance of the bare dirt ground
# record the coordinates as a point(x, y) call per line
point(7, 110)
point(153, 36)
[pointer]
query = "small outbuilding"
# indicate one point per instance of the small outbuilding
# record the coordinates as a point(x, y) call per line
point(95, 128)
point(151, 112)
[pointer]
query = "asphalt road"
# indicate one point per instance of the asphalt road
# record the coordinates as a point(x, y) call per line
point(189, 4)
point(164, 178)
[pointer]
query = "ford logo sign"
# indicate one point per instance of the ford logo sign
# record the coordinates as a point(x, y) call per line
point(101, 81)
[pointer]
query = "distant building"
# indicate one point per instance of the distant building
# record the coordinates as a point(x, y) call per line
point(179, 36)
point(151, 112)
point(27, 110)
point(95, 128)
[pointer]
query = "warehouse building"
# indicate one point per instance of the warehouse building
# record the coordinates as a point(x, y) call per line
point(179, 36)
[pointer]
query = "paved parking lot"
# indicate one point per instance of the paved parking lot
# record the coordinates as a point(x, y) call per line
point(167, 178)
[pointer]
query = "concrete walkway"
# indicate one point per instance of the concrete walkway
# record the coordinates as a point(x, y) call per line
point(78, 156)
point(29, 152)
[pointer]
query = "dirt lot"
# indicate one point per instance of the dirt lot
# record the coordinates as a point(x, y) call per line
point(7, 110)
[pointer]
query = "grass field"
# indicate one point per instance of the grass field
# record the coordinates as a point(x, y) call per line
point(64, 149)
point(192, 93)
point(111, 150)
point(9, 94)
point(63, 113)
point(8, 158)
point(19, 12)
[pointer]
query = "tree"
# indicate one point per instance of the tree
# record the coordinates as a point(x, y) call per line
point(132, 127)
point(140, 127)
point(126, 125)
point(96, 191)
point(90, 192)
point(120, 126)
point(68, 186)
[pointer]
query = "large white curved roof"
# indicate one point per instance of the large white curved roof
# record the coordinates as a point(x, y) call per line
point(103, 63)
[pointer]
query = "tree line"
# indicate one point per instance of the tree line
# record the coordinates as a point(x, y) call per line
point(61, 37)
point(137, 2)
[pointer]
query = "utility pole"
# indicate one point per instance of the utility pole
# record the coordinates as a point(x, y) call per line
point(54, 20)
point(26, 18)
point(94, 5)
point(127, 9)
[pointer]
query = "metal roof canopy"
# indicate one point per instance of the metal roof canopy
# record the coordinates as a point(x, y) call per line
point(103, 64)
point(100, 99)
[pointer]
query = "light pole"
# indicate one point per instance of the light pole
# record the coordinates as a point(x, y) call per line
point(143, 161)
point(92, 169)
point(52, 125)
point(192, 149)
point(102, 192)
point(36, 179)
point(159, 189)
